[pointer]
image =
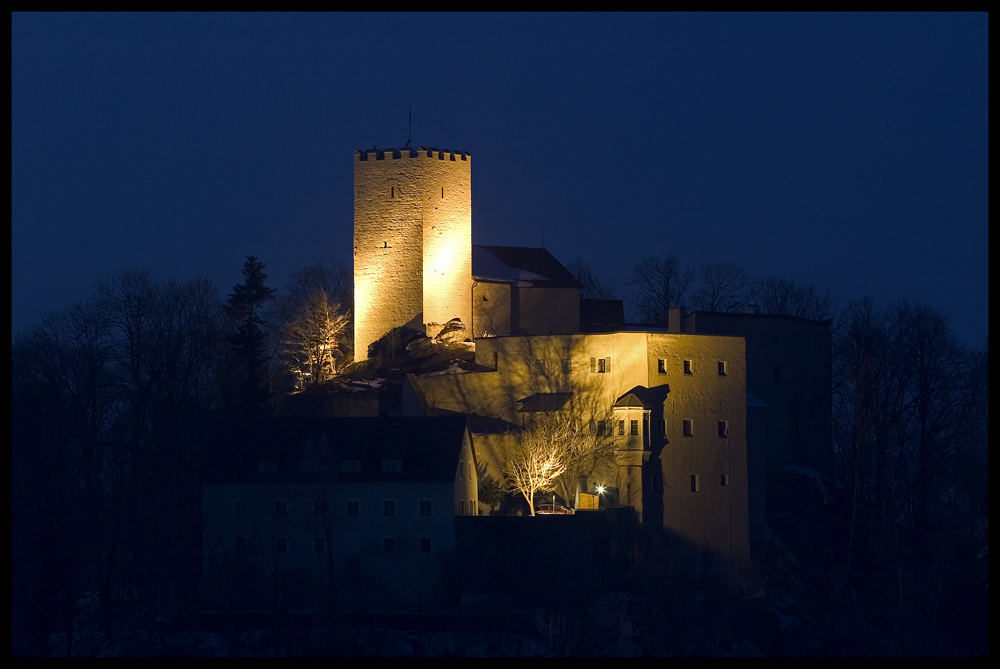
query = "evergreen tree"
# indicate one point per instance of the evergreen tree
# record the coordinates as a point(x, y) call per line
point(247, 337)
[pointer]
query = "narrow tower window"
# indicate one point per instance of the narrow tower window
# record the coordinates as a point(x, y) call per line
point(442, 192)
point(392, 191)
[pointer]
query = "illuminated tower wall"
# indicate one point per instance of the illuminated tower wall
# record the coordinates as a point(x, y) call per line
point(412, 241)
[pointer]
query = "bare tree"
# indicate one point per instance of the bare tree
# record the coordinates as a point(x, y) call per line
point(660, 283)
point(534, 458)
point(314, 339)
point(787, 297)
point(725, 286)
point(593, 286)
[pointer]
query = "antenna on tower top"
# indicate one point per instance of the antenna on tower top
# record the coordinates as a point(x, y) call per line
point(409, 126)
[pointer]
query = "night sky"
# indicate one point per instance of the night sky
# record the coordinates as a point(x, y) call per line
point(845, 150)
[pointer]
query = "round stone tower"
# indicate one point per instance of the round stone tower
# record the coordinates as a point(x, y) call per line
point(412, 241)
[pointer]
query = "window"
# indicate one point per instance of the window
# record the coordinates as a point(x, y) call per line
point(240, 544)
point(267, 466)
point(600, 365)
point(688, 427)
point(633, 427)
point(388, 507)
point(426, 507)
point(352, 508)
point(425, 545)
point(723, 428)
point(722, 368)
point(239, 508)
point(621, 427)
point(350, 465)
point(319, 544)
point(281, 544)
point(388, 544)
point(724, 480)
point(661, 366)
point(664, 426)
point(281, 508)
point(687, 368)
point(565, 366)
point(320, 507)
point(392, 191)
point(539, 366)
point(695, 483)
point(461, 507)
point(392, 465)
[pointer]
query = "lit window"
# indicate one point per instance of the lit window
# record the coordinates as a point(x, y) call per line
point(688, 427)
point(388, 507)
point(687, 367)
point(661, 366)
point(633, 427)
point(600, 365)
point(426, 507)
point(722, 368)
point(352, 508)
point(723, 428)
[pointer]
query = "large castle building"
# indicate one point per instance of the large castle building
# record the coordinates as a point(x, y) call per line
point(675, 402)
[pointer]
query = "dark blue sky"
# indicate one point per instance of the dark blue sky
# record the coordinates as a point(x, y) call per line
point(846, 150)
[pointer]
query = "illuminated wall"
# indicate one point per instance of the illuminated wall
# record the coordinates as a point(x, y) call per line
point(412, 241)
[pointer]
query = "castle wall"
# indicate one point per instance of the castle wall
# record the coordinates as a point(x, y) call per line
point(491, 309)
point(412, 241)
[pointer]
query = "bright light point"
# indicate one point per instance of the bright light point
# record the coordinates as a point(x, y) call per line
point(600, 489)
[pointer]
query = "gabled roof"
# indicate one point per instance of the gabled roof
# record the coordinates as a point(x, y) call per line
point(313, 449)
point(520, 264)
point(646, 398)
point(545, 402)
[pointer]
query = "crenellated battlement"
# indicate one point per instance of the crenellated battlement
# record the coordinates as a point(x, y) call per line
point(424, 152)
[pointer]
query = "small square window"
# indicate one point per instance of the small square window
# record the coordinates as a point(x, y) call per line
point(539, 366)
point(392, 465)
point(281, 544)
point(426, 507)
point(352, 508)
point(388, 507)
point(633, 427)
point(425, 545)
point(723, 428)
point(722, 368)
point(239, 508)
point(319, 544)
point(688, 368)
point(388, 544)
point(281, 508)
point(688, 427)
point(661, 366)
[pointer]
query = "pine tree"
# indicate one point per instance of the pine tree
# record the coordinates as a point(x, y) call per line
point(247, 338)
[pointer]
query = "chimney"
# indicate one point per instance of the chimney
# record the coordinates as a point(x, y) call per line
point(675, 320)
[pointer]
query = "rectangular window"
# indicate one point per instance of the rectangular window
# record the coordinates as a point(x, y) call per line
point(426, 507)
point(388, 507)
point(239, 508)
point(724, 480)
point(661, 366)
point(723, 428)
point(425, 545)
point(388, 544)
point(664, 426)
point(281, 508)
point(688, 427)
point(320, 507)
point(777, 373)
point(392, 465)
point(633, 427)
point(565, 366)
point(461, 507)
point(694, 483)
point(621, 427)
point(600, 365)
point(281, 544)
point(539, 366)
point(319, 544)
point(240, 544)
point(722, 368)
point(267, 466)
point(688, 368)
point(350, 465)
point(352, 508)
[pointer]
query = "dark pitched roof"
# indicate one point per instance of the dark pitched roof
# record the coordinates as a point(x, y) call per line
point(313, 449)
point(545, 402)
point(647, 398)
point(534, 266)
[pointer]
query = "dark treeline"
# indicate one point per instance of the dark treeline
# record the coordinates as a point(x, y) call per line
point(118, 402)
